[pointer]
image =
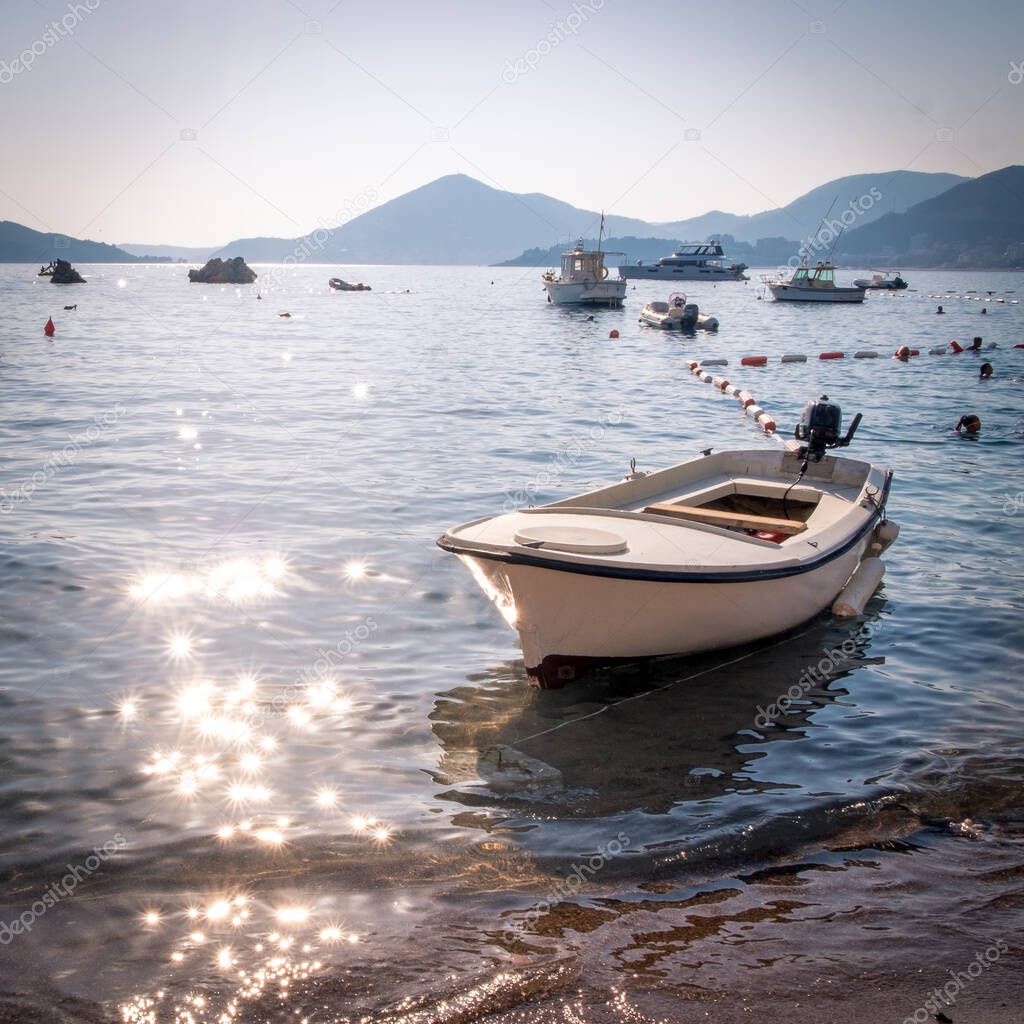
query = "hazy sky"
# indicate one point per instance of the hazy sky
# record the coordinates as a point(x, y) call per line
point(194, 122)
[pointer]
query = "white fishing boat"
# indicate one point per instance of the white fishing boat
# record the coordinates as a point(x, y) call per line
point(584, 280)
point(814, 284)
point(677, 315)
point(692, 261)
point(717, 551)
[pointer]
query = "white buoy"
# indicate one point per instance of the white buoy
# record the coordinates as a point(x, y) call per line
point(856, 594)
point(753, 411)
point(884, 536)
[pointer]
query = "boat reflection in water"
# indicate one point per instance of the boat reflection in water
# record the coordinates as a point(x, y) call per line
point(642, 739)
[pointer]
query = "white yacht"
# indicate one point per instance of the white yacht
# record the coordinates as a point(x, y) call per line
point(814, 284)
point(583, 280)
point(694, 261)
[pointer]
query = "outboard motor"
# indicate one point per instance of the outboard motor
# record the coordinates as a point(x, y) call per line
point(690, 311)
point(820, 427)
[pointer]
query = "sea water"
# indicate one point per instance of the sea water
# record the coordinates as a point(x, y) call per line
point(248, 707)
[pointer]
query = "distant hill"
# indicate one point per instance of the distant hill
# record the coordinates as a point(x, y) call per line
point(459, 220)
point(190, 254)
point(977, 223)
point(19, 244)
point(455, 219)
point(899, 190)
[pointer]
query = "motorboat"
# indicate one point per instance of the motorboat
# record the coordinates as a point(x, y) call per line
point(717, 551)
point(814, 284)
point(583, 280)
point(338, 285)
point(692, 261)
point(879, 282)
point(677, 315)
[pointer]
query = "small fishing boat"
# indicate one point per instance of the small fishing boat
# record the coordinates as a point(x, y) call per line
point(814, 284)
point(583, 279)
point(677, 315)
point(714, 552)
point(692, 261)
point(879, 282)
point(344, 286)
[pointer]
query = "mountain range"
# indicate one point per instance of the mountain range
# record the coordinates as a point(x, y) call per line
point(457, 219)
point(903, 217)
point(19, 244)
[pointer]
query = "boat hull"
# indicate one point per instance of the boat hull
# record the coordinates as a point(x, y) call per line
point(571, 623)
point(789, 293)
point(586, 293)
point(656, 273)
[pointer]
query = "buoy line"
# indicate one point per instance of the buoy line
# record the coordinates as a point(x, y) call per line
point(747, 401)
point(953, 348)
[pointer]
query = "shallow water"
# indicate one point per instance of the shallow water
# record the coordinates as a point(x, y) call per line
point(234, 655)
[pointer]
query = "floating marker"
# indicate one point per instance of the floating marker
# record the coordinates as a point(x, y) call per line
point(865, 355)
point(49, 329)
point(793, 357)
point(754, 361)
point(714, 362)
point(832, 355)
point(856, 594)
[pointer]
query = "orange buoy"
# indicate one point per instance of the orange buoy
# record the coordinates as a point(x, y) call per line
point(956, 347)
point(832, 355)
point(49, 329)
point(754, 361)
point(613, 333)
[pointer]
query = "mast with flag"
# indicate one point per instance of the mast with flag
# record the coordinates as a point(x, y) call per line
point(600, 233)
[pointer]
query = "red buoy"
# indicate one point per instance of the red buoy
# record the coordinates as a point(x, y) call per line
point(49, 329)
point(832, 355)
point(754, 361)
point(613, 333)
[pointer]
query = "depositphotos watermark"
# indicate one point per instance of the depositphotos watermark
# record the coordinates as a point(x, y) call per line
point(58, 461)
point(311, 245)
point(568, 455)
point(57, 891)
point(560, 31)
point(814, 676)
point(831, 229)
point(958, 981)
point(572, 883)
point(316, 682)
point(56, 31)
point(1013, 503)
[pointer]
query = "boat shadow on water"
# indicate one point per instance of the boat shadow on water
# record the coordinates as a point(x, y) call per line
point(646, 737)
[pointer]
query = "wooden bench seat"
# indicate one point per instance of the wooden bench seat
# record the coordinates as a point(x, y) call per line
point(695, 514)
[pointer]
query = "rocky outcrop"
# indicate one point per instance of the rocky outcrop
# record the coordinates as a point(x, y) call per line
point(64, 273)
point(218, 271)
